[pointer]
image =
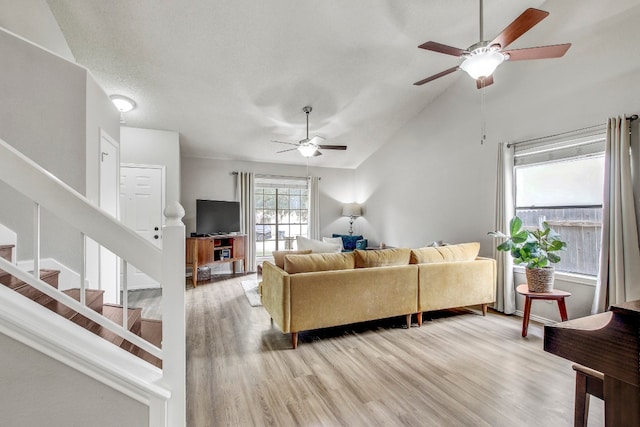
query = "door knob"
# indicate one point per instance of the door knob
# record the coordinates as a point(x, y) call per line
point(155, 236)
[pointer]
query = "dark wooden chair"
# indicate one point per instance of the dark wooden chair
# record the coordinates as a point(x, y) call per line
point(588, 383)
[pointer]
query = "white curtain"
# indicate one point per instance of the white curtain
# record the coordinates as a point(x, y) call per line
point(505, 292)
point(246, 195)
point(619, 275)
point(314, 208)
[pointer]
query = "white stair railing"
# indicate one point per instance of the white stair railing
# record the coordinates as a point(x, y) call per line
point(166, 266)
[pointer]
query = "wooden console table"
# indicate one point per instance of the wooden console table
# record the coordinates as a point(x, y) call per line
point(219, 249)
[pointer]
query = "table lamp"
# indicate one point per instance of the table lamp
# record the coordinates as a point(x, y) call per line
point(352, 210)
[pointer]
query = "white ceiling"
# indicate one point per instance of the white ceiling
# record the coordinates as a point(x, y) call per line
point(232, 75)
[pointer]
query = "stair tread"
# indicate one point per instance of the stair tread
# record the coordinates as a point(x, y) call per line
point(93, 300)
point(46, 275)
point(151, 331)
point(113, 313)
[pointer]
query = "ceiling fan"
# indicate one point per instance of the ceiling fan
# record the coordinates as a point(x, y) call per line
point(481, 59)
point(310, 147)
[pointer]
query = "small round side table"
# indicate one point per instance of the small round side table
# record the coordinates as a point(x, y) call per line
point(555, 294)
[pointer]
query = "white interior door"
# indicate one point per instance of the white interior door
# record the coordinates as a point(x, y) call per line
point(141, 201)
point(109, 172)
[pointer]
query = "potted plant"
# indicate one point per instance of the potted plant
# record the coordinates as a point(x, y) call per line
point(534, 248)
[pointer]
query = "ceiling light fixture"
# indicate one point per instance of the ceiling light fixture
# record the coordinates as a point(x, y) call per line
point(482, 62)
point(122, 103)
point(307, 148)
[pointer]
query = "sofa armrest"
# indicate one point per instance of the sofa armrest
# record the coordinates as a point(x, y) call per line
point(275, 294)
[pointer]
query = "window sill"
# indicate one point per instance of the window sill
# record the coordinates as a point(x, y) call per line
point(567, 277)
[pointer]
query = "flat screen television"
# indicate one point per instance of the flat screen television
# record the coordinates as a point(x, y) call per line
point(217, 217)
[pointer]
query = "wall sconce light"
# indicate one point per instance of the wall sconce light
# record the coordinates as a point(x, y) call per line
point(352, 210)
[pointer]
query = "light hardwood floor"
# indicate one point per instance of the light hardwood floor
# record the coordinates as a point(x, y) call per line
point(458, 369)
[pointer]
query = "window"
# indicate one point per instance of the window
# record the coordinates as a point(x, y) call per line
point(282, 213)
point(562, 184)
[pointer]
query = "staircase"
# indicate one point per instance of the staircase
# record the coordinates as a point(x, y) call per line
point(148, 329)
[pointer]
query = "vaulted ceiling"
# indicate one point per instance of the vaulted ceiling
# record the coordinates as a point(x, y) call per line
point(230, 76)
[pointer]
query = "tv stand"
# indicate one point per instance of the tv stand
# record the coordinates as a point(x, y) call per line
point(217, 249)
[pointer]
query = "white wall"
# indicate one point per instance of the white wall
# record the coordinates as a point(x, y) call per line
point(41, 391)
point(213, 179)
point(33, 20)
point(154, 147)
point(434, 181)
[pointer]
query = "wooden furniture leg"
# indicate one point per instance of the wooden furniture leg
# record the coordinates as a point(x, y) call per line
point(419, 319)
point(484, 309)
point(294, 340)
point(409, 321)
point(588, 383)
point(527, 313)
point(563, 310)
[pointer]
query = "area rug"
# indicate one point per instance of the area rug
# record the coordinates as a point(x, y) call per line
point(251, 291)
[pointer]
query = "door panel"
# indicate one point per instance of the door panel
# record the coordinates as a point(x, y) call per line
point(141, 190)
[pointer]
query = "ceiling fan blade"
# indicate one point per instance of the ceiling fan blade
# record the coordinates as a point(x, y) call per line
point(317, 153)
point(523, 23)
point(282, 142)
point(436, 76)
point(284, 151)
point(542, 52)
point(333, 147)
point(443, 48)
point(484, 82)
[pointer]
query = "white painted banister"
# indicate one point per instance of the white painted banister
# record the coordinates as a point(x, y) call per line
point(173, 313)
point(39, 185)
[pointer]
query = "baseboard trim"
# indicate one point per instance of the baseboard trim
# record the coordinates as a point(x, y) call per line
point(535, 318)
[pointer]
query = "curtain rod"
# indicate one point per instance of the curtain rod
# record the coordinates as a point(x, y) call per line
point(631, 118)
point(261, 175)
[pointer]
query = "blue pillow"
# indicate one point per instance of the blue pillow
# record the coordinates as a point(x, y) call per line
point(348, 242)
point(362, 244)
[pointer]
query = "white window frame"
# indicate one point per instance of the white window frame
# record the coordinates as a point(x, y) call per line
point(552, 149)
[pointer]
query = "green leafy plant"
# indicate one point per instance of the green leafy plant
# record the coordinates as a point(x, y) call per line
point(535, 248)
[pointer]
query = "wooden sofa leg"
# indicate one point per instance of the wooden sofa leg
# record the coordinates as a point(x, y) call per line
point(419, 315)
point(409, 321)
point(484, 309)
point(294, 340)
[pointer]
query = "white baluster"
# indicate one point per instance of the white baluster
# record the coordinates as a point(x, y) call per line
point(125, 296)
point(83, 270)
point(36, 241)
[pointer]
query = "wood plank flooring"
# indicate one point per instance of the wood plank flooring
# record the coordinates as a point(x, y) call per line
point(458, 369)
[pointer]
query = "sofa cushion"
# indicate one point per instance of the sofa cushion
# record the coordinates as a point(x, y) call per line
point(348, 242)
point(319, 262)
point(459, 252)
point(316, 246)
point(278, 256)
point(382, 257)
point(334, 240)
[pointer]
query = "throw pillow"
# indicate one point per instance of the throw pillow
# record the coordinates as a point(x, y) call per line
point(316, 246)
point(334, 240)
point(278, 256)
point(382, 257)
point(348, 242)
point(319, 262)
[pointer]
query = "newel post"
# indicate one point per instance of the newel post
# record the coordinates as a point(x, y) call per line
point(173, 313)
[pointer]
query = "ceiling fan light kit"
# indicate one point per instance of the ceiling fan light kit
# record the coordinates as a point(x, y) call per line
point(482, 62)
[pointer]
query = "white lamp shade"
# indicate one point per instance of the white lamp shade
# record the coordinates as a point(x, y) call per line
point(482, 64)
point(307, 149)
point(352, 209)
point(122, 103)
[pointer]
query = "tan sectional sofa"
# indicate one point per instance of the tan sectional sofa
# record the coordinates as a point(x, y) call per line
point(312, 291)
